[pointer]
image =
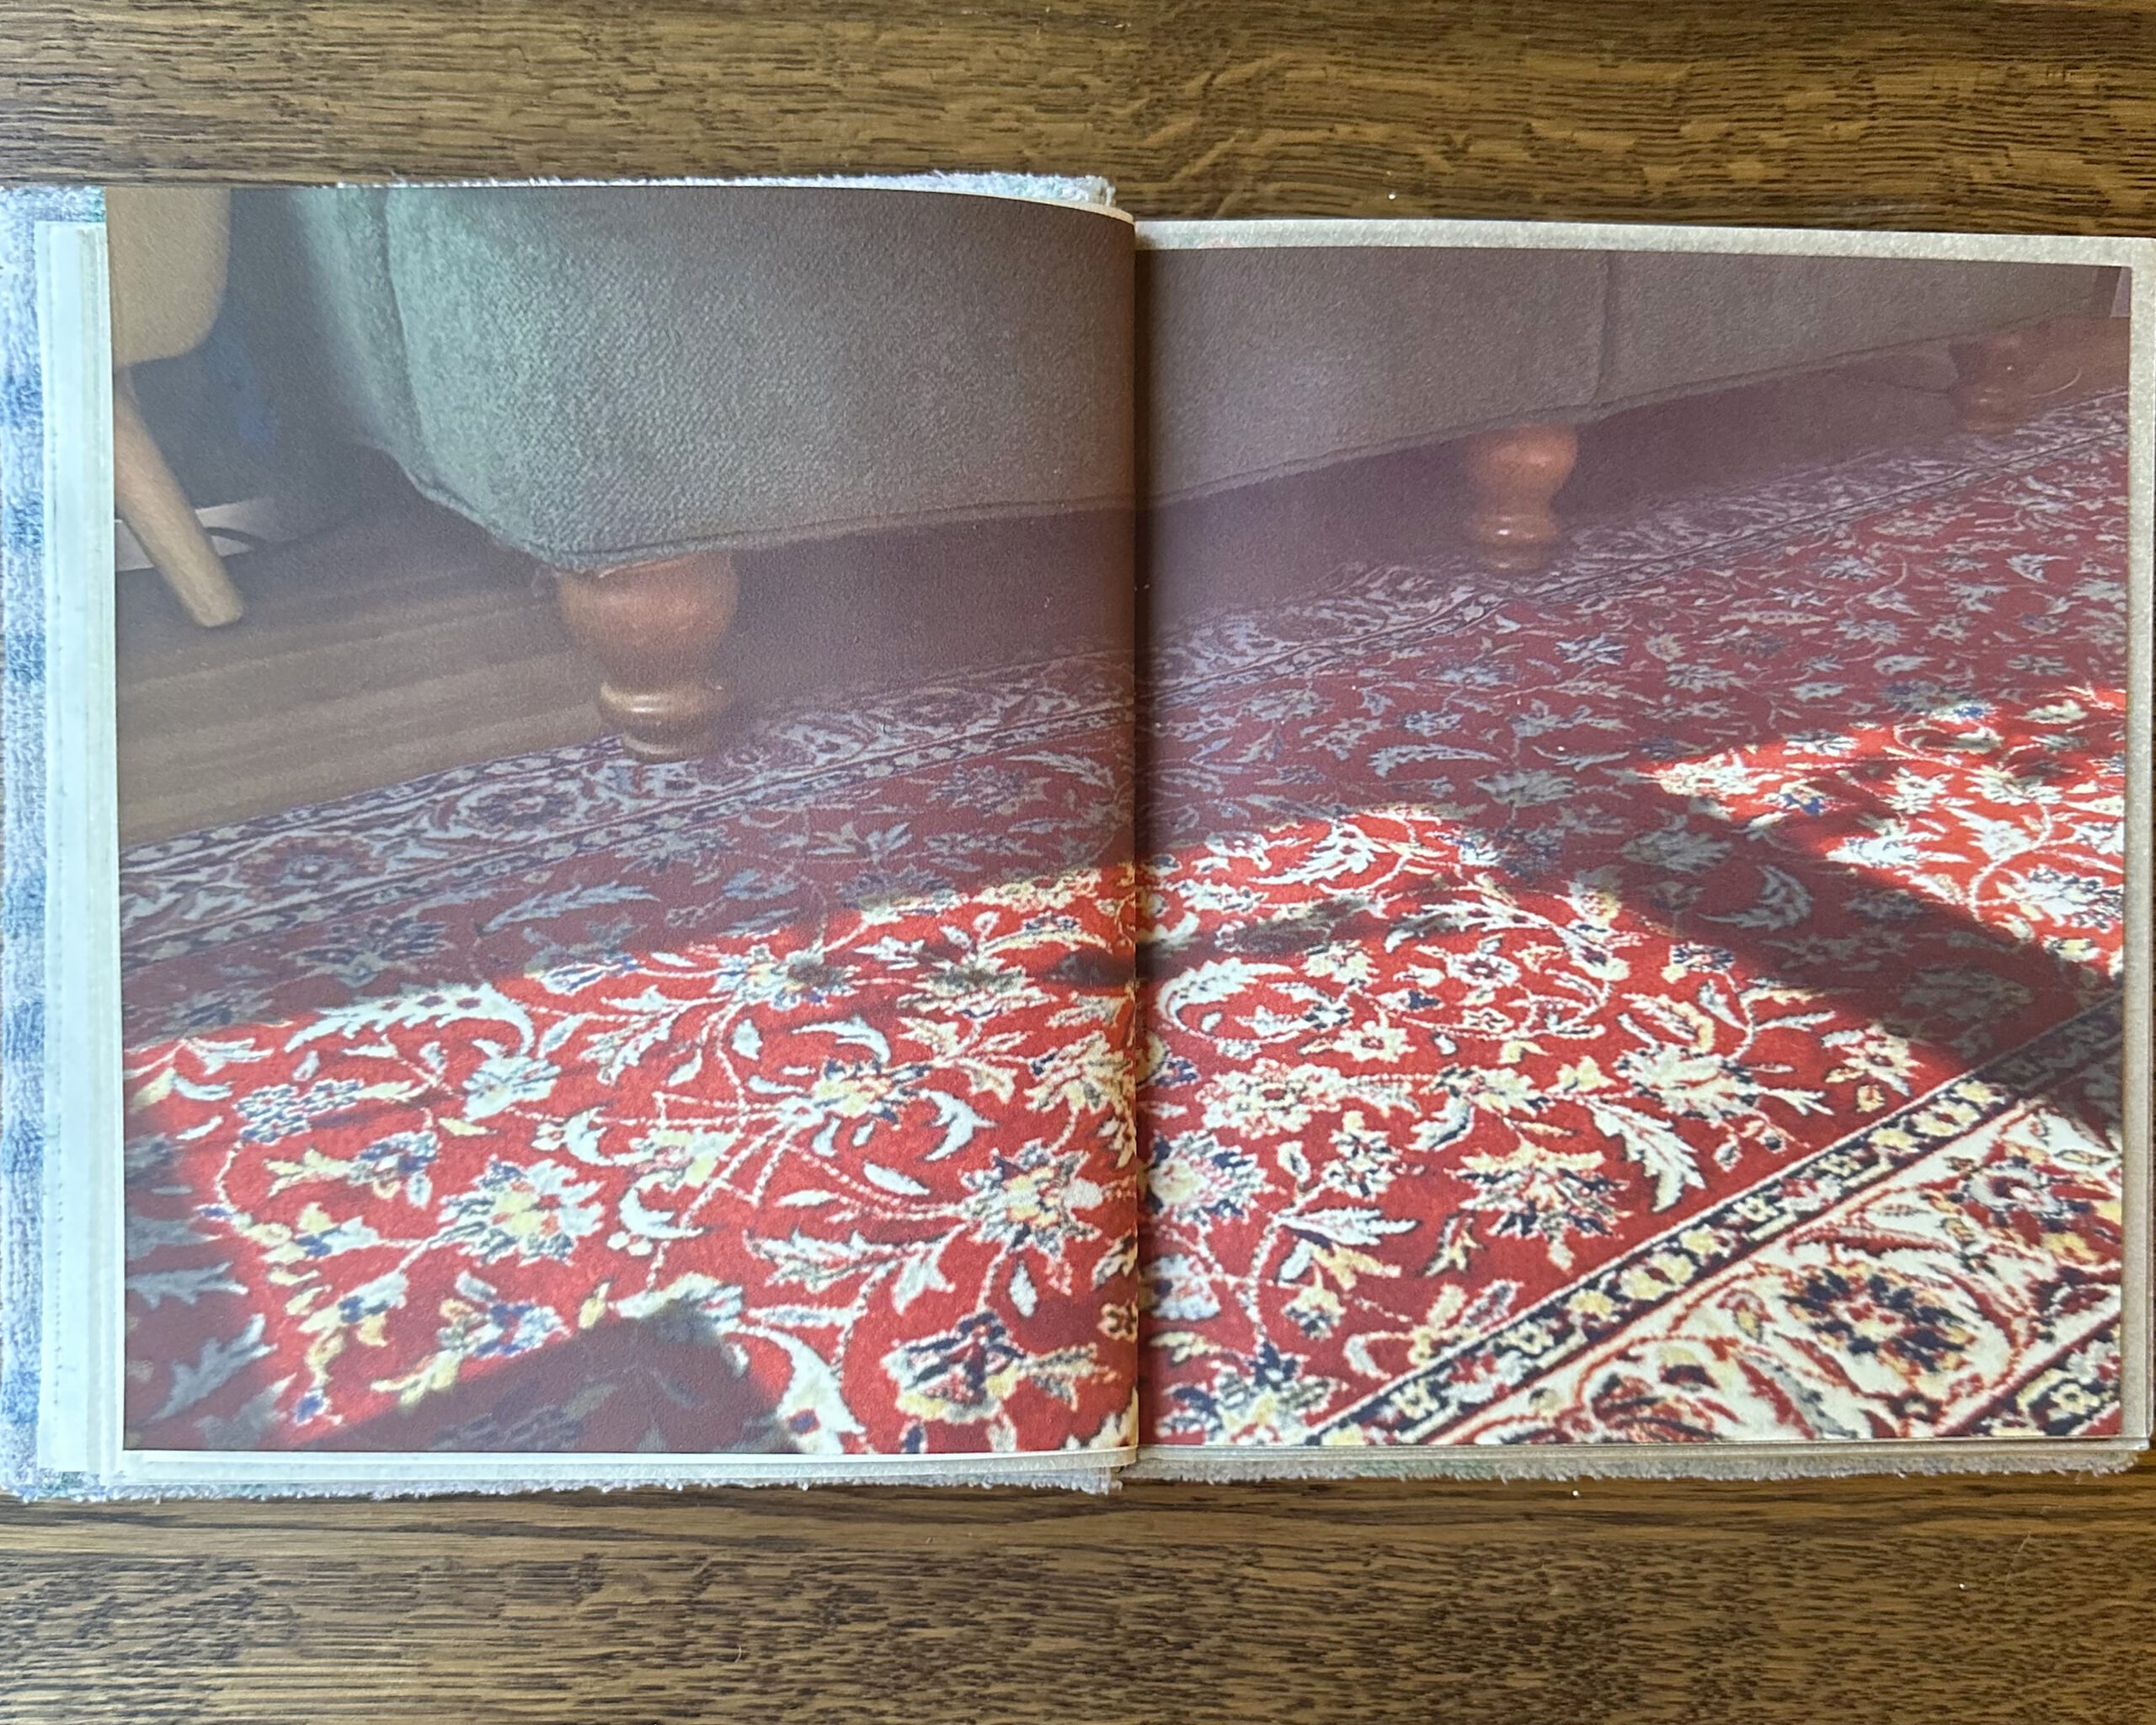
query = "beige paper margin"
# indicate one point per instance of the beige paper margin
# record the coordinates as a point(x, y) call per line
point(1741, 1460)
point(159, 1473)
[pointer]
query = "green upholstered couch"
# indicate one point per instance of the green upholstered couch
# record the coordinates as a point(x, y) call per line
point(600, 376)
point(1269, 361)
point(631, 384)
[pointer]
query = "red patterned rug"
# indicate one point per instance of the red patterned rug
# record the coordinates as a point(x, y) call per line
point(776, 1101)
point(1673, 998)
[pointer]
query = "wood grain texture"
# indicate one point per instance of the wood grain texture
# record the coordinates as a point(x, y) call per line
point(1890, 113)
point(1966, 1600)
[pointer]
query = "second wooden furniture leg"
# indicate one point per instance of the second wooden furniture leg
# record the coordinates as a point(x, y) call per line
point(655, 629)
point(1998, 374)
point(1515, 474)
point(149, 499)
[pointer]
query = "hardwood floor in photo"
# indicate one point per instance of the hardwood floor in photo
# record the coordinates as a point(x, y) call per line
point(401, 641)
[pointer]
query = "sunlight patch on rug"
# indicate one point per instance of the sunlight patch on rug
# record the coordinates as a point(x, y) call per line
point(1675, 998)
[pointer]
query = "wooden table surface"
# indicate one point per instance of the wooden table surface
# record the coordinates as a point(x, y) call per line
point(1954, 1601)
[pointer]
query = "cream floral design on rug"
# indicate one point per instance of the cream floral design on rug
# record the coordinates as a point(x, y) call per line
point(778, 1102)
point(1673, 998)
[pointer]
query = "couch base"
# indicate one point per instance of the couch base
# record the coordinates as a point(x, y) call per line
point(1515, 472)
point(655, 629)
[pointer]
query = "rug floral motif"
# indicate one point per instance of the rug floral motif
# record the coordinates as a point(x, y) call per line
point(776, 1103)
point(1675, 998)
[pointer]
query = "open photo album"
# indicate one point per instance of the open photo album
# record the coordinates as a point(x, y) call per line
point(786, 831)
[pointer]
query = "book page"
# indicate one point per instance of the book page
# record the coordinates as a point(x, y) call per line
point(619, 789)
point(1645, 940)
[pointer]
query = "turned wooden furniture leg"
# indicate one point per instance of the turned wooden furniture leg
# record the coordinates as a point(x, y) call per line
point(1997, 374)
point(1516, 473)
point(156, 510)
point(655, 628)
point(165, 250)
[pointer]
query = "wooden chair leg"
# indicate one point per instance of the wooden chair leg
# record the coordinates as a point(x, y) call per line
point(655, 629)
point(149, 499)
point(1515, 474)
point(1998, 374)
